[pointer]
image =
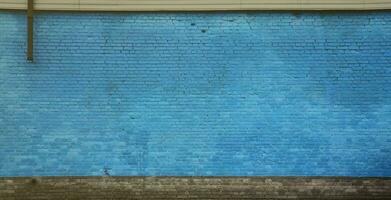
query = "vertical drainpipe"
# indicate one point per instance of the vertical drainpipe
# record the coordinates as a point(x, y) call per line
point(30, 29)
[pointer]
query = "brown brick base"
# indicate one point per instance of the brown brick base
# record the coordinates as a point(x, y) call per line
point(85, 188)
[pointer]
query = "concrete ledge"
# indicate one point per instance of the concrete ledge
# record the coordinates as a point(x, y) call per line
point(197, 5)
point(96, 188)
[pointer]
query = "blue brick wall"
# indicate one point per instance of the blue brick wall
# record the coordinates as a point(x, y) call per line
point(257, 93)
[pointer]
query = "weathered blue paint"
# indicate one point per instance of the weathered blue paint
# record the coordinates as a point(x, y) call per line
point(196, 94)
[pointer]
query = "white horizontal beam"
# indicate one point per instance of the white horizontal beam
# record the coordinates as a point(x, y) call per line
point(194, 5)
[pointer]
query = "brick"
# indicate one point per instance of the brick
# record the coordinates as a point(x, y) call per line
point(224, 93)
point(56, 188)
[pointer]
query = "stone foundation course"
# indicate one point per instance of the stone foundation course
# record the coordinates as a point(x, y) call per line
point(97, 188)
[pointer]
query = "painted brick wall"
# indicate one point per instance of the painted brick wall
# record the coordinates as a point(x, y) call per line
point(254, 93)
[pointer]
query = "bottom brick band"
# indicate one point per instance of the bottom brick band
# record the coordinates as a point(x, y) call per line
point(97, 188)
